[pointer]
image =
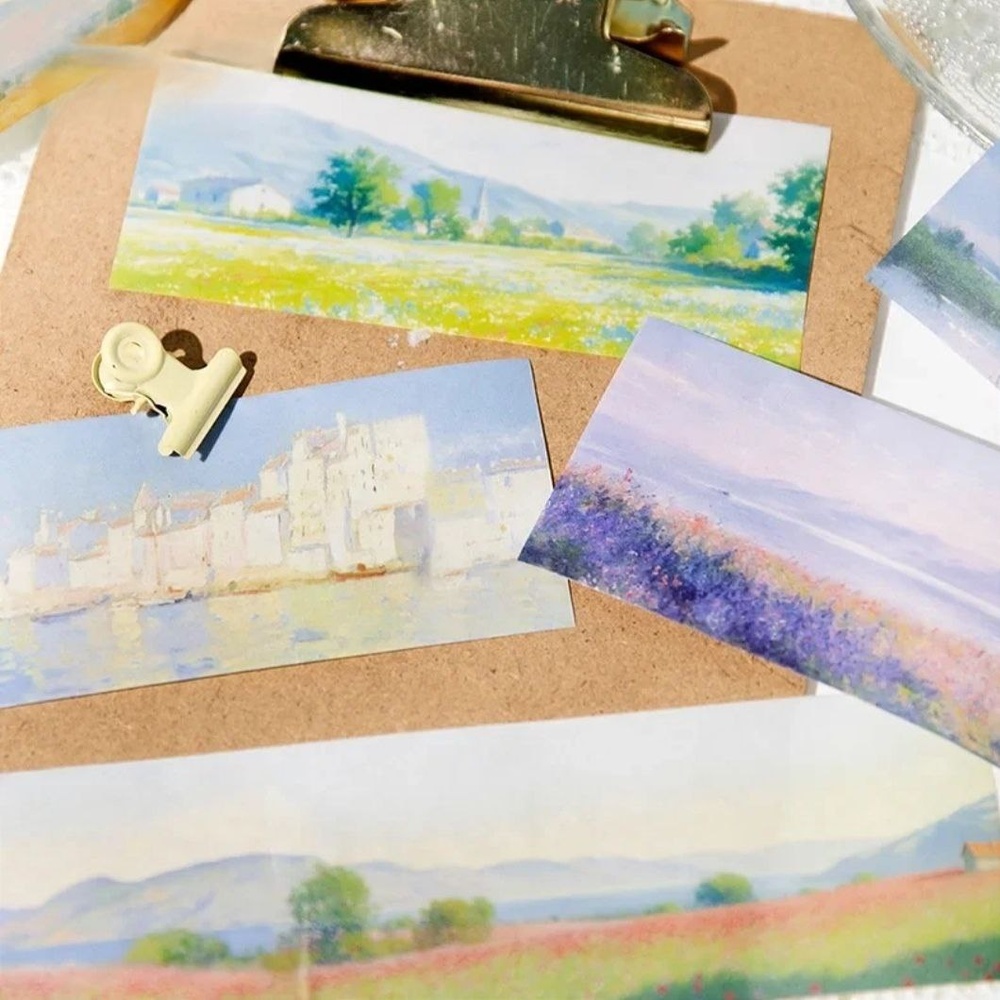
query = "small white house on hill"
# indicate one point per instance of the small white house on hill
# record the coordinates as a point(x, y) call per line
point(235, 196)
point(259, 199)
point(163, 193)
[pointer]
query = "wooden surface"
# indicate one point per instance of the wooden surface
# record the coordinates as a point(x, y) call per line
point(55, 305)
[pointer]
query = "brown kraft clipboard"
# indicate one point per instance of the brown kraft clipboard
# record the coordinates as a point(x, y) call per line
point(55, 304)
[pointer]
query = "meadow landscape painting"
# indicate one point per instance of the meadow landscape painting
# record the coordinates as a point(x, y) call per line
point(826, 532)
point(730, 852)
point(946, 269)
point(277, 193)
point(327, 522)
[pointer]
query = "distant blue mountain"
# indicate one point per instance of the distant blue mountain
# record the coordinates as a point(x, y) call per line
point(936, 846)
point(244, 900)
point(289, 149)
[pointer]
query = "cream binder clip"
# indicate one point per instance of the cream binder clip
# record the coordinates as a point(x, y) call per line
point(133, 366)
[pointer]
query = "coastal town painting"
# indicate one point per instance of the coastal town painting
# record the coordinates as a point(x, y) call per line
point(795, 520)
point(278, 193)
point(331, 521)
point(727, 852)
point(946, 269)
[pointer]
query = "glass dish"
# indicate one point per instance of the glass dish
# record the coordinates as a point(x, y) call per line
point(950, 49)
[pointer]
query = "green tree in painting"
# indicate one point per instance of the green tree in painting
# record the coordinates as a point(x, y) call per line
point(454, 921)
point(644, 240)
point(435, 204)
point(953, 240)
point(705, 243)
point(724, 889)
point(692, 241)
point(454, 227)
point(504, 231)
point(331, 907)
point(744, 211)
point(799, 193)
point(401, 219)
point(944, 261)
point(178, 947)
point(355, 189)
point(744, 216)
point(663, 908)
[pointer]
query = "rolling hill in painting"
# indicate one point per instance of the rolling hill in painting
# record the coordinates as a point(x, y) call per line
point(288, 149)
point(244, 899)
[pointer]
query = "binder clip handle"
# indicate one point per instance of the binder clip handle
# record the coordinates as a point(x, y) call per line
point(133, 366)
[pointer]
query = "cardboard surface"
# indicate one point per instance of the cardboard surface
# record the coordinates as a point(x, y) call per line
point(55, 305)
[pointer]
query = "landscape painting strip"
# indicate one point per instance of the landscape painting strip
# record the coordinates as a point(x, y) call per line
point(829, 533)
point(946, 269)
point(327, 522)
point(271, 192)
point(732, 852)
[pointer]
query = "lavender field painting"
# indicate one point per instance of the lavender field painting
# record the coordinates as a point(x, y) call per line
point(828, 533)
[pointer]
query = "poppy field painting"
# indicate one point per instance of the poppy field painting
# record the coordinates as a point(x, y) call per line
point(828, 533)
point(729, 852)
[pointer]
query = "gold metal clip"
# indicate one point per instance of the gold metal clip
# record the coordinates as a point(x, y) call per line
point(610, 65)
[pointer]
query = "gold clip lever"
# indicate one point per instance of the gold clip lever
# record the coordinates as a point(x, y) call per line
point(661, 28)
point(610, 65)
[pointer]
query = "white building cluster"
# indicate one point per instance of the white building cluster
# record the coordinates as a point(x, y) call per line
point(351, 500)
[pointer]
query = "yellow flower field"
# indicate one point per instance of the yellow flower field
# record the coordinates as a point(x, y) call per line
point(574, 301)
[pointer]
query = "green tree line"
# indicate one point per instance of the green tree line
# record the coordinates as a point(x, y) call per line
point(361, 189)
point(742, 226)
point(943, 261)
point(334, 920)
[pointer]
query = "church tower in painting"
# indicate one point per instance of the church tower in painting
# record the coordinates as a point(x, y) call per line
point(481, 214)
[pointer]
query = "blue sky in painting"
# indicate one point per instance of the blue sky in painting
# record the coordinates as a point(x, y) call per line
point(741, 413)
point(474, 412)
point(747, 154)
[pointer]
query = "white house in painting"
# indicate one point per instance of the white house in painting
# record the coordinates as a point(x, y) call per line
point(247, 198)
point(259, 199)
point(484, 515)
point(162, 194)
point(21, 572)
point(351, 499)
point(981, 856)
